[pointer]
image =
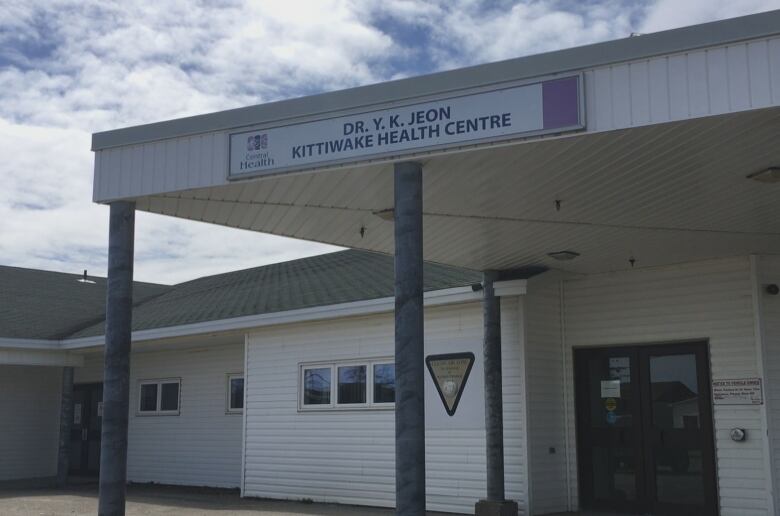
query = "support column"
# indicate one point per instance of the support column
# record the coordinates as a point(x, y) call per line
point(66, 420)
point(495, 504)
point(409, 353)
point(116, 381)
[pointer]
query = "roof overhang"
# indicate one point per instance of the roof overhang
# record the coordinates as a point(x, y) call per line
point(674, 124)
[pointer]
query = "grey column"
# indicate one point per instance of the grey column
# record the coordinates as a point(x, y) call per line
point(494, 411)
point(409, 359)
point(116, 379)
point(66, 420)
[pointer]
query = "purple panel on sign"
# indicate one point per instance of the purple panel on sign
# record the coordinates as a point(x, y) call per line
point(560, 103)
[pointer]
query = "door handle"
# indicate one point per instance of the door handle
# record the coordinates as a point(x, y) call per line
point(84, 434)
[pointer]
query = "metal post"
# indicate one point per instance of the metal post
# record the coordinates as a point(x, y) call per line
point(66, 420)
point(495, 504)
point(409, 359)
point(116, 388)
point(494, 404)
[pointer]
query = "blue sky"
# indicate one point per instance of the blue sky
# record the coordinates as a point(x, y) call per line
point(69, 68)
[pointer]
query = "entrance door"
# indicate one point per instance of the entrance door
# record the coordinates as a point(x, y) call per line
point(85, 429)
point(644, 429)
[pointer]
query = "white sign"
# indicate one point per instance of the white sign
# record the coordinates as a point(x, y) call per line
point(531, 109)
point(610, 388)
point(740, 391)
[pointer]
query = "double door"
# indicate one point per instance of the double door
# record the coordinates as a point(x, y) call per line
point(644, 430)
point(85, 429)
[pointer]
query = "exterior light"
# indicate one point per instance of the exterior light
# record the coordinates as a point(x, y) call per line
point(388, 214)
point(768, 175)
point(563, 256)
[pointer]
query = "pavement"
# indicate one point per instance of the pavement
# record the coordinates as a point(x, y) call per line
point(156, 500)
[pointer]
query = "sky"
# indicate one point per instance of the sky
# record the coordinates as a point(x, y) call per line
point(69, 68)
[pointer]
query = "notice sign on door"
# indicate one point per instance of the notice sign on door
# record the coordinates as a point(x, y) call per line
point(450, 373)
point(739, 391)
point(610, 388)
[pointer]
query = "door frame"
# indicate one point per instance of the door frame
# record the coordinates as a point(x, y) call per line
point(640, 353)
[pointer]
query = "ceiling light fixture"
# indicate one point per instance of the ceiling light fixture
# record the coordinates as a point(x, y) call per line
point(768, 175)
point(388, 214)
point(563, 256)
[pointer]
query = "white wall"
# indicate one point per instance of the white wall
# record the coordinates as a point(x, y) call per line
point(768, 272)
point(348, 456)
point(546, 391)
point(708, 300)
point(29, 421)
point(202, 445)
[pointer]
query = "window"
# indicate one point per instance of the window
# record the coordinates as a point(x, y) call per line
point(235, 393)
point(159, 397)
point(347, 385)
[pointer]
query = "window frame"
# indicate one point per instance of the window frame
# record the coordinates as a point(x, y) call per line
point(159, 383)
point(334, 405)
point(228, 408)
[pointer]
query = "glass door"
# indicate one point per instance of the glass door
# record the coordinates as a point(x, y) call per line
point(609, 429)
point(678, 429)
point(644, 429)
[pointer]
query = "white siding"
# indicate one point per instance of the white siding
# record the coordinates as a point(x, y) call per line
point(202, 445)
point(29, 421)
point(548, 453)
point(349, 457)
point(711, 300)
point(705, 82)
point(769, 272)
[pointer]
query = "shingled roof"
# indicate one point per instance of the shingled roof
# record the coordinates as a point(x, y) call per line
point(37, 304)
point(327, 279)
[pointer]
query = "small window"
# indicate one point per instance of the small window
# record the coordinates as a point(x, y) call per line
point(384, 383)
point(159, 397)
point(235, 393)
point(352, 385)
point(316, 386)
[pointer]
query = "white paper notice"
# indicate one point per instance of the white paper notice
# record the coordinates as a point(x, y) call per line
point(610, 388)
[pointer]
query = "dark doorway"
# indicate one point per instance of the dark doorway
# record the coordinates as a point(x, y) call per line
point(85, 429)
point(644, 429)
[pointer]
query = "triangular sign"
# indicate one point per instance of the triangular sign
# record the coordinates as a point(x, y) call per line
point(449, 373)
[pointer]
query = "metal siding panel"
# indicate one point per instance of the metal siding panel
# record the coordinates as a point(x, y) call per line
point(621, 96)
point(739, 77)
point(718, 80)
point(640, 93)
point(774, 64)
point(678, 87)
point(602, 79)
point(659, 90)
point(698, 91)
point(710, 300)
point(348, 457)
point(760, 78)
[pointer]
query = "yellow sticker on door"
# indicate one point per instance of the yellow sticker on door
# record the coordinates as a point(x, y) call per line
point(610, 404)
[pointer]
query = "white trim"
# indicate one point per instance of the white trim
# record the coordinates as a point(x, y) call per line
point(243, 417)
point(510, 287)
point(367, 307)
point(40, 357)
point(29, 343)
point(756, 289)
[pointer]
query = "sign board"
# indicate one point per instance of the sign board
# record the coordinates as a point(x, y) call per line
point(551, 106)
point(740, 391)
point(610, 388)
point(450, 373)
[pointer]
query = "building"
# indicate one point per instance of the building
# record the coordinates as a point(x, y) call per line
point(639, 371)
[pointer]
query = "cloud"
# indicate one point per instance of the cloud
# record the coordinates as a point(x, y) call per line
point(69, 68)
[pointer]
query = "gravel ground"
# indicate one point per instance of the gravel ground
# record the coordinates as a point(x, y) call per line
point(153, 500)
